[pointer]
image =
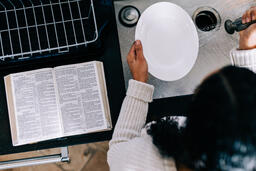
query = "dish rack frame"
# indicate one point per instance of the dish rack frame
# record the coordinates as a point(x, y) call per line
point(36, 28)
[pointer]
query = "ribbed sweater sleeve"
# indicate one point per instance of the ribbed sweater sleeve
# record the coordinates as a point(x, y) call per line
point(131, 149)
point(244, 58)
point(133, 112)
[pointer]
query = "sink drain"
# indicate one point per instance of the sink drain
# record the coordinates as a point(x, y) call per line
point(207, 19)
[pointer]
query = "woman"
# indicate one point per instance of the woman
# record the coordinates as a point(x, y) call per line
point(219, 133)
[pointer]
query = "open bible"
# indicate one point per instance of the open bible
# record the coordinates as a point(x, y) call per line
point(56, 102)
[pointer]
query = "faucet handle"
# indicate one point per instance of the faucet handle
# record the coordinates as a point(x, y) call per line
point(237, 25)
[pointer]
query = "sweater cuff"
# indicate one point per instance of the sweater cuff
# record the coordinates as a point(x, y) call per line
point(244, 58)
point(140, 90)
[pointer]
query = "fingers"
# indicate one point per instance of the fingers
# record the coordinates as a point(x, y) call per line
point(136, 52)
point(253, 14)
point(139, 50)
point(249, 15)
point(246, 17)
point(131, 55)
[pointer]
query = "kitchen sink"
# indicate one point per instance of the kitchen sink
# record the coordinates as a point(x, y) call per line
point(215, 43)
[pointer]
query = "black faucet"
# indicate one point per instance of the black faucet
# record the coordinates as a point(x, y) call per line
point(237, 25)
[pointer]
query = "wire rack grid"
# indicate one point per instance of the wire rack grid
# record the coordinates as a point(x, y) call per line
point(40, 27)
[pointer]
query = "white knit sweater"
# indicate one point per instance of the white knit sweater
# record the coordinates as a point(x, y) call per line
point(131, 148)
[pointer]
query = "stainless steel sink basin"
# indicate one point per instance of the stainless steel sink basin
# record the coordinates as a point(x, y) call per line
point(214, 45)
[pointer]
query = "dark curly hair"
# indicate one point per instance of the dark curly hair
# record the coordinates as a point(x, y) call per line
point(220, 130)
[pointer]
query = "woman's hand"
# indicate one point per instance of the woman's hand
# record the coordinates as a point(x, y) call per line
point(137, 63)
point(248, 36)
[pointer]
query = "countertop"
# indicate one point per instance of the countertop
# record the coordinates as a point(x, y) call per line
point(214, 45)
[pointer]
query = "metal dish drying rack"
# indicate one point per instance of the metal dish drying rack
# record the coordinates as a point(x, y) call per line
point(37, 28)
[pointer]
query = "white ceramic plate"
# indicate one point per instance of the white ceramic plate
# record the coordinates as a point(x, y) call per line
point(170, 40)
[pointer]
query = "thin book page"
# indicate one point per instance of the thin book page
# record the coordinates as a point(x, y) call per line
point(58, 104)
point(69, 103)
point(81, 103)
point(35, 106)
point(101, 99)
point(9, 99)
point(104, 94)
